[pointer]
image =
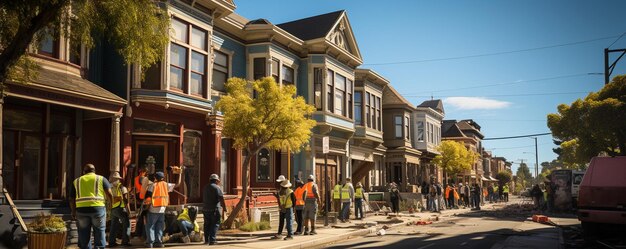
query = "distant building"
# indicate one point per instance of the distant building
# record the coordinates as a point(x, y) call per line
point(428, 117)
point(467, 132)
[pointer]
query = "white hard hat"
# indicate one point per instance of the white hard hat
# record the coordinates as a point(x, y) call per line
point(280, 178)
point(311, 177)
point(214, 177)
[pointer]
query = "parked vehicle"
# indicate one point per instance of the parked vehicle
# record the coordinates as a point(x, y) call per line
point(602, 194)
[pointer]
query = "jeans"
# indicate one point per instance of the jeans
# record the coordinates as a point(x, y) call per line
point(299, 220)
point(87, 221)
point(119, 223)
point(345, 211)
point(211, 225)
point(358, 208)
point(451, 203)
point(476, 201)
point(185, 226)
point(154, 228)
point(286, 216)
point(432, 201)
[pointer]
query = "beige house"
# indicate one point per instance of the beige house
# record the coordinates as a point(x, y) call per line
point(467, 132)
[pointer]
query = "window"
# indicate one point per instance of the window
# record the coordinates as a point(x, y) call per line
point(318, 79)
point(75, 50)
point(275, 69)
point(220, 71)
point(287, 75)
point(358, 108)
point(258, 68)
point(420, 131)
point(378, 114)
point(178, 66)
point(367, 110)
point(263, 166)
point(330, 90)
point(188, 58)
point(49, 46)
point(192, 153)
point(373, 112)
point(340, 95)
point(406, 127)
point(398, 126)
point(349, 97)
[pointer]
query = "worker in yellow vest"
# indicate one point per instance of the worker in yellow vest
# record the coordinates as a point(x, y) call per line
point(119, 211)
point(347, 197)
point(187, 222)
point(505, 190)
point(157, 197)
point(87, 202)
point(337, 197)
point(286, 202)
point(358, 201)
point(299, 194)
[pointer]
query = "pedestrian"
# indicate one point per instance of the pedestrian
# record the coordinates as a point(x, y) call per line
point(394, 197)
point(500, 192)
point(87, 203)
point(139, 195)
point(279, 180)
point(490, 193)
point(347, 197)
point(359, 197)
point(337, 198)
point(462, 195)
point(300, 195)
point(213, 206)
point(425, 193)
point(157, 198)
point(440, 197)
point(120, 210)
point(550, 195)
point(476, 193)
point(187, 224)
point(450, 195)
point(537, 195)
point(433, 198)
point(505, 192)
point(311, 201)
point(468, 193)
point(285, 204)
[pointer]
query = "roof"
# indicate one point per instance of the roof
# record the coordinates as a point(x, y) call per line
point(392, 97)
point(449, 128)
point(312, 27)
point(259, 21)
point(435, 104)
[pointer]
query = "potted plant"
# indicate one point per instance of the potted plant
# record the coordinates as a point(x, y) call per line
point(47, 231)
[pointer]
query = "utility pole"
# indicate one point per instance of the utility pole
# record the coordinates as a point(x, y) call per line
point(608, 70)
point(536, 159)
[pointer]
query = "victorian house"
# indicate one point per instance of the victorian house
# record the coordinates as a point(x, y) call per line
point(428, 117)
point(468, 133)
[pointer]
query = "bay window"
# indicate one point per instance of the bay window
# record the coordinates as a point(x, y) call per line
point(330, 90)
point(378, 114)
point(349, 97)
point(358, 108)
point(340, 95)
point(287, 75)
point(318, 79)
point(420, 131)
point(367, 110)
point(407, 130)
point(275, 69)
point(259, 68)
point(220, 71)
point(188, 58)
point(178, 66)
point(398, 126)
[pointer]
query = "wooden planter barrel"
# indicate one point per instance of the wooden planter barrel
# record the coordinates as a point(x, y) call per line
point(46, 240)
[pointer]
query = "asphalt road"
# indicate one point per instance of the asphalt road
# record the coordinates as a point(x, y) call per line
point(454, 232)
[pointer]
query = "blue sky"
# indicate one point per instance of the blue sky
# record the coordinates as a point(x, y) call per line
point(507, 94)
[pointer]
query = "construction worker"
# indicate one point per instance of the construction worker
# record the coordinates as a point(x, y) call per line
point(139, 195)
point(358, 201)
point(120, 211)
point(279, 180)
point(187, 224)
point(213, 205)
point(299, 194)
point(311, 201)
point(286, 202)
point(505, 191)
point(157, 197)
point(337, 197)
point(87, 202)
point(347, 197)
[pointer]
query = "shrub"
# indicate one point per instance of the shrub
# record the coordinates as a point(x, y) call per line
point(47, 224)
point(255, 226)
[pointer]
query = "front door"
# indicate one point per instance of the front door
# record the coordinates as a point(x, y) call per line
point(22, 164)
point(151, 154)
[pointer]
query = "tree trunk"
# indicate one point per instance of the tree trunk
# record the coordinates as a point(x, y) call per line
point(245, 182)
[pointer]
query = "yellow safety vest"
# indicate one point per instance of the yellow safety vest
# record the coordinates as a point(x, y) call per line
point(358, 193)
point(285, 200)
point(505, 189)
point(184, 215)
point(89, 190)
point(345, 192)
point(117, 192)
point(337, 192)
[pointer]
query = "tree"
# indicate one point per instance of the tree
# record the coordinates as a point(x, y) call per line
point(592, 126)
point(274, 119)
point(454, 158)
point(523, 175)
point(503, 177)
point(137, 28)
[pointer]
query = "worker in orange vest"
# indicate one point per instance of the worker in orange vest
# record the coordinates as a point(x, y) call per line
point(157, 197)
point(299, 193)
point(139, 195)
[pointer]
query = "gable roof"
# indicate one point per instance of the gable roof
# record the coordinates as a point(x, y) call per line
point(449, 128)
point(435, 104)
point(392, 97)
point(312, 27)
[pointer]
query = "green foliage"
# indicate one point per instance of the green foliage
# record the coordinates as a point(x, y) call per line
point(524, 177)
point(592, 126)
point(255, 226)
point(137, 28)
point(47, 224)
point(454, 157)
point(503, 177)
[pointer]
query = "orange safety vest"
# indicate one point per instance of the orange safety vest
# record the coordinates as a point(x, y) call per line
point(138, 185)
point(144, 189)
point(448, 192)
point(160, 196)
point(309, 190)
point(299, 191)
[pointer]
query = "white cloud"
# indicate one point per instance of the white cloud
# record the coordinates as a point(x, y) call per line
point(475, 103)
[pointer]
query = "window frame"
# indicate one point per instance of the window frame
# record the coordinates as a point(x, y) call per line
point(225, 71)
point(398, 126)
point(190, 48)
point(358, 105)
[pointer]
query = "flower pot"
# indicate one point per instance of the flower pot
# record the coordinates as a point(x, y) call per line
point(46, 240)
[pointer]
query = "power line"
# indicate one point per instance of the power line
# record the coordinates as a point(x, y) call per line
point(492, 54)
point(517, 147)
point(530, 135)
point(620, 37)
point(500, 95)
point(514, 82)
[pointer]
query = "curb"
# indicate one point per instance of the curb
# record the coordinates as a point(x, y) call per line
point(328, 240)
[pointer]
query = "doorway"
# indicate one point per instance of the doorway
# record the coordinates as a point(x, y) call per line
point(22, 164)
point(151, 154)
